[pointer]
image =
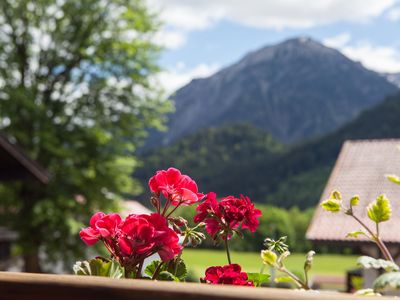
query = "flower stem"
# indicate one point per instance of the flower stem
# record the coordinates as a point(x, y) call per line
point(296, 279)
point(173, 210)
point(139, 270)
point(227, 249)
point(166, 207)
point(306, 277)
point(377, 229)
point(157, 271)
point(376, 239)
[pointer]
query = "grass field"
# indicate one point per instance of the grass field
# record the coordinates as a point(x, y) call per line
point(198, 260)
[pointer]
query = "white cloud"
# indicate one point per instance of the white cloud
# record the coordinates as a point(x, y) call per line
point(378, 58)
point(394, 14)
point(187, 15)
point(180, 75)
point(337, 41)
point(170, 39)
point(194, 14)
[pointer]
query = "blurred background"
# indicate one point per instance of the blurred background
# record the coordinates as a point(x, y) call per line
point(247, 97)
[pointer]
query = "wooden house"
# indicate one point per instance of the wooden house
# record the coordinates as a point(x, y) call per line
point(360, 170)
point(15, 165)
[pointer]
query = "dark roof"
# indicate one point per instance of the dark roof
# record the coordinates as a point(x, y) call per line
point(360, 170)
point(16, 165)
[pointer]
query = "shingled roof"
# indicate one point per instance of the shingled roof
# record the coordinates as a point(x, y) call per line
point(360, 169)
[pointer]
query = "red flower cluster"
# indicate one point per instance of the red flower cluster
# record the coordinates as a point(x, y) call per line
point(177, 188)
point(133, 239)
point(101, 226)
point(147, 234)
point(229, 274)
point(228, 214)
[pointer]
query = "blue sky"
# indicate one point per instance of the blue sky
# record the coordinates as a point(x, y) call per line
point(202, 36)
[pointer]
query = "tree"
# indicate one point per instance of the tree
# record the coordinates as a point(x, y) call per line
point(76, 93)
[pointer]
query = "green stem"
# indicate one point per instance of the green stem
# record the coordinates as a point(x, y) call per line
point(296, 279)
point(166, 207)
point(306, 277)
point(157, 271)
point(377, 229)
point(227, 249)
point(384, 249)
point(376, 239)
point(174, 209)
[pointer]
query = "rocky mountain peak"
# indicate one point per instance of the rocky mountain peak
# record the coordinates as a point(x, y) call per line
point(295, 90)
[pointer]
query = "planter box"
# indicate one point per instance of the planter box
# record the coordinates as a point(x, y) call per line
point(16, 286)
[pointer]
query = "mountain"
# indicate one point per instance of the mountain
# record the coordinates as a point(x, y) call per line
point(304, 170)
point(295, 90)
point(242, 159)
point(393, 78)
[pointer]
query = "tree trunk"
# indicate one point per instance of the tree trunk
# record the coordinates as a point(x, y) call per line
point(31, 262)
point(29, 234)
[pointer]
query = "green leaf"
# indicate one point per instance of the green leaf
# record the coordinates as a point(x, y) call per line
point(151, 268)
point(355, 234)
point(116, 270)
point(354, 200)
point(393, 178)
point(379, 210)
point(167, 276)
point(258, 278)
point(99, 267)
point(368, 262)
point(332, 205)
point(387, 282)
point(176, 268)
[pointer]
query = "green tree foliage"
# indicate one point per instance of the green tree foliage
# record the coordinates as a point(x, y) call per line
point(217, 158)
point(255, 165)
point(276, 222)
point(76, 93)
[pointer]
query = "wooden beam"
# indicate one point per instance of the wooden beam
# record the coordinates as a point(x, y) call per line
point(18, 286)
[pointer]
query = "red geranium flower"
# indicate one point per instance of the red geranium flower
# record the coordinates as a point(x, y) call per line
point(101, 226)
point(251, 215)
point(179, 189)
point(229, 274)
point(228, 214)
point(144, 235)
point(240, 211)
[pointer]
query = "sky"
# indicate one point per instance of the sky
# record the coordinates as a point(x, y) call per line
point(202, 36)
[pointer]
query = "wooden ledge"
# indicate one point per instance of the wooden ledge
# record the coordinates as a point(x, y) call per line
point(16, 286)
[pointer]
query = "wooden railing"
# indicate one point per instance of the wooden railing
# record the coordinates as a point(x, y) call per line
point(16, 286)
